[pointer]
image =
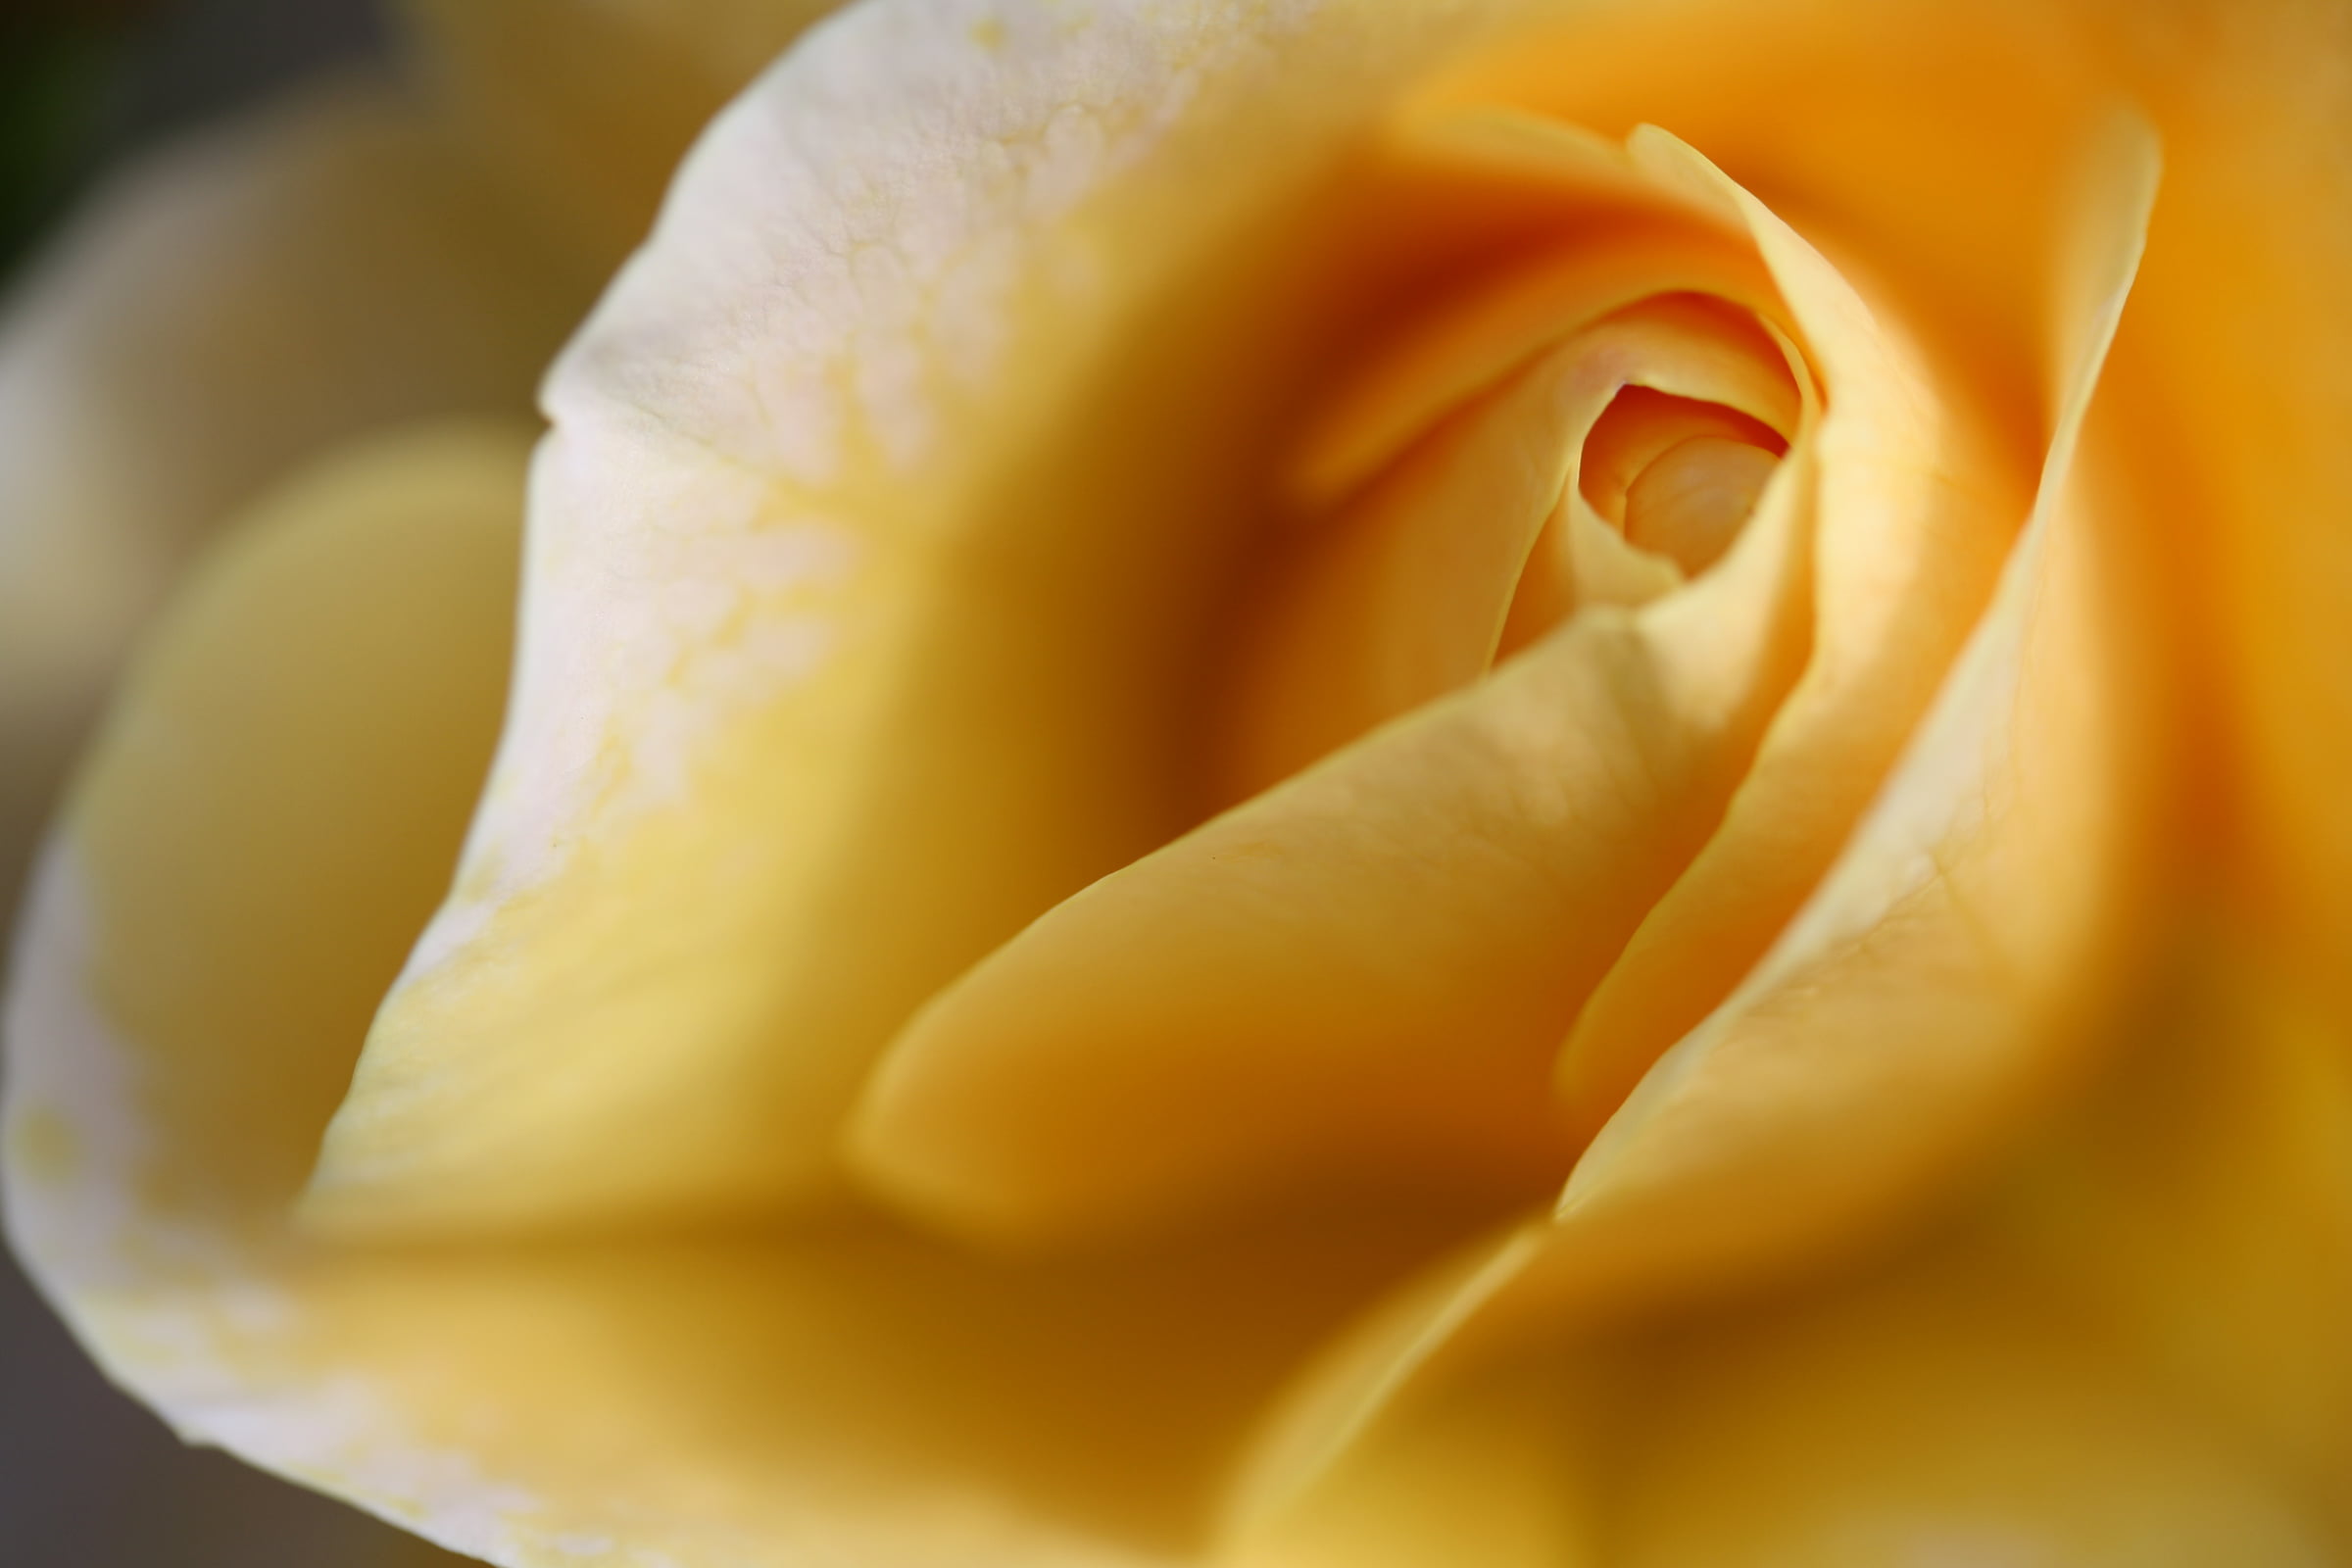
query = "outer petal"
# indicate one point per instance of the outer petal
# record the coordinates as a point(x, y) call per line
point(2199, 1203)
point(220, 314)
point(1954, 1403)
point(1951, 1414)
point(2242, 359)
point(272, 810)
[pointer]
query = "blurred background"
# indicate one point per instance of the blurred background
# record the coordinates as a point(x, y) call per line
point(87, 1478)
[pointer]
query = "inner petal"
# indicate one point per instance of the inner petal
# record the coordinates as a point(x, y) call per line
point(1689, 501)
point(1680, 534)
point(1479, 537)
point(1642, 425)
point(1343, 986)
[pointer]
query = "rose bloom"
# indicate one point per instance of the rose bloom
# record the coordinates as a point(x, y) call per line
point(1354, 782)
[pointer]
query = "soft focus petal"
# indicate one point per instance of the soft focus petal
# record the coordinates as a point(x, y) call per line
point(1951, 1414)
point(267, 813)
point(1953, 1404)
point(221, 313)
point(272, 810)
point(2200, 1203)
point(2237, 346)
point(1981, 896)
point(586, 106)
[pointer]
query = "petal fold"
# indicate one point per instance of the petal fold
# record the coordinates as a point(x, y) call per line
point(273, 809)
point(1406, 592)
point(1941, 983)
point(1355, 980)
point(222, 313)
point(1915, 516)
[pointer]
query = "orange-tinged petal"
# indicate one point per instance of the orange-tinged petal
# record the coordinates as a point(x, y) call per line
point(2199, 1201)
point(1915, 512)
point(1403, 595)
point(1634, 237)
point(1987, 887)
point(1937, 986)
point(2237, 346)
point(1356, 977)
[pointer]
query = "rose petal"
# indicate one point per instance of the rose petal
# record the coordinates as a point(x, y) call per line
point(227, 310)
point(2246, 388)
point(1991, 874)
point(1513, 1469)
point(1954, 1405)
point(2200, 1203)
point(1954, 1415)
point(1403, 594)
point(220, 819)
point(1933, 989)
point(1635, 237)
point(1915, 514)
point(1356, 977)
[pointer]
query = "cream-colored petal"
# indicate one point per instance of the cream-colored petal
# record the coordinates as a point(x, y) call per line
point(1935, 989)
point(272, 810)
point(1352, 982)
point(1691, 501)
point(221, 313)
point(895, 496)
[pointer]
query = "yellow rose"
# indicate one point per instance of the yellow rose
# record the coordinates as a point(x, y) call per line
point(1275, 795)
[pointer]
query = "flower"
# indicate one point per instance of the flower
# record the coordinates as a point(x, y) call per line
point(1276, 794)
